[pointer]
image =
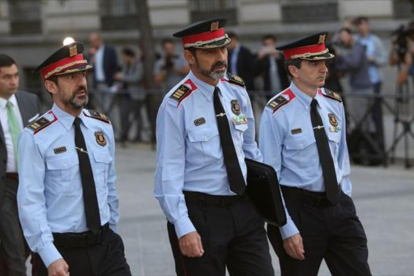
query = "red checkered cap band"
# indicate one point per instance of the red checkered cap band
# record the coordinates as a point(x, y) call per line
point(202, 38)
point(62, 65)
point(309, 50)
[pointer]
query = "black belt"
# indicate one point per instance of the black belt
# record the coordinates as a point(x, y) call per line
point(201, 198)
point(13, 176)
point(317, 199)
point(83, 239)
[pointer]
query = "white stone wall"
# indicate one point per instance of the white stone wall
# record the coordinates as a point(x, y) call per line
point(4, 18)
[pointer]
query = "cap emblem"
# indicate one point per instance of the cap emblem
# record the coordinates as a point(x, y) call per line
point(214, 26)
point(73, 51)
point(321, 39)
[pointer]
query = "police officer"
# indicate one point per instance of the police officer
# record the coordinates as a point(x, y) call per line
point(68, 205)
point(205, 129)
point(302, 135)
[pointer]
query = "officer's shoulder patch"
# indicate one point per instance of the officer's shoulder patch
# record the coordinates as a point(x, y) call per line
point(41, 123)
point(332, 95)
point(281, 100)
point(236, 80)
point(98, 116)
point(183, 91)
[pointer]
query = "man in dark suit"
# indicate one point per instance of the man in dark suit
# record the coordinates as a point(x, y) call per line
point(17, 109)
point(240, 61)
point(270, 66)
point(104, 60)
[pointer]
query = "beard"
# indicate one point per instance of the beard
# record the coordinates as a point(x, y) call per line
point(72, 102)
point(215, 75)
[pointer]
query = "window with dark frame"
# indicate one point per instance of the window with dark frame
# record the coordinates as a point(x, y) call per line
point(202, 10)
point(118, 14)
point(25, 16)
point(298, 11)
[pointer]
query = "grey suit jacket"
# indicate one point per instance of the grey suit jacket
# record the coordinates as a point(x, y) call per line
point(29, 107)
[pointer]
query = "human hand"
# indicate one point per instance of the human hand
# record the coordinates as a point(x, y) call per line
point(294, 247)
point(58, 268)
point(190, 245)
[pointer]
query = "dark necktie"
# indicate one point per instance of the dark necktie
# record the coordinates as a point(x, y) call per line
point(234, 173)
point(90, 200)
point(325, 156)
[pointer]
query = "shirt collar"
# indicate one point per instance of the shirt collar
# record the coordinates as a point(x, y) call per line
point(65, 118)
point(12, 99)
point(303, 98)
point(206, 89)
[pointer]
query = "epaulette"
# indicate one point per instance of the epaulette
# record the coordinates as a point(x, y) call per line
point(333, 95)
point(182, 92)
point(40, 124)
point(236, 80)
point(277, 103)
point(98, 116)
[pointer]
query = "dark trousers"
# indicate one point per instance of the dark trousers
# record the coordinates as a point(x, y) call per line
point(232, 235)
point(106, 258)
point(129, 106)
point(332, 233)
point(377, 116)
point(13, 246)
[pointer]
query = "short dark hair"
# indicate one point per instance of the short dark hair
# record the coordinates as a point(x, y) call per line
point(345, 29)
point(360, 19)
point(233, 35)
point(294, 62)
point(128, 52)
point(6, 61)
point(269, 36)
point(167, 40)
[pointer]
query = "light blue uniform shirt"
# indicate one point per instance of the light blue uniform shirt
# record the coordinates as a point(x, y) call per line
point(189, 154)
point(50, 198)
point(288, 144)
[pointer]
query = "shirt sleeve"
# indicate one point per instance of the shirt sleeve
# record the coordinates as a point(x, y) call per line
point(169, 174)
point(31, 200)
point(270, 143)
point(249, 143)
point(113, 199)
point(343, 158)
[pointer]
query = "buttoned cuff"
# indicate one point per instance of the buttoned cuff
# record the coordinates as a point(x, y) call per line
point(289, 229)
point(49, 254)
point(184, 226)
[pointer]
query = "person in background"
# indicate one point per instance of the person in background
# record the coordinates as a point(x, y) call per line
point(241, 61)
point(171, 67)
point(270, 67)
point(132, 96)
point(17, 109)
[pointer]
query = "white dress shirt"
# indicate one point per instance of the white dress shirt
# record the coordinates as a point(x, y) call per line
point(99, 64)
point(4, 119)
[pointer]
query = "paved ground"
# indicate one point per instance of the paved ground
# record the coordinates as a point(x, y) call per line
point(384, 198)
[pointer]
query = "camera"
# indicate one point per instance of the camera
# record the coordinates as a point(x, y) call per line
point(401, 41)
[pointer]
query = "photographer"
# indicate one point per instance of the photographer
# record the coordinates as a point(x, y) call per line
point(402, 52)
point(170, 68)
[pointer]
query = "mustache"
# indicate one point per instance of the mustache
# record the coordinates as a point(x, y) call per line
point(80, 89)
point(219, 64)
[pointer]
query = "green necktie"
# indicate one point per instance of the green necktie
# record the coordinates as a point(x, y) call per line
point(14, 128)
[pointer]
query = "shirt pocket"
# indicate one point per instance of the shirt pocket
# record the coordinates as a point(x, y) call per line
point(101, 159)
point(62, 174)
point(334, 140)
point(301, 149)
point(204, 146)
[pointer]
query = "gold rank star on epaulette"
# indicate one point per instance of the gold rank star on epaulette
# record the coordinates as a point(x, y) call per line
point(277, 103)
point(39, 124)
point(236, 80)
point(332, 95)
point(180, 93)
point(98, 116)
